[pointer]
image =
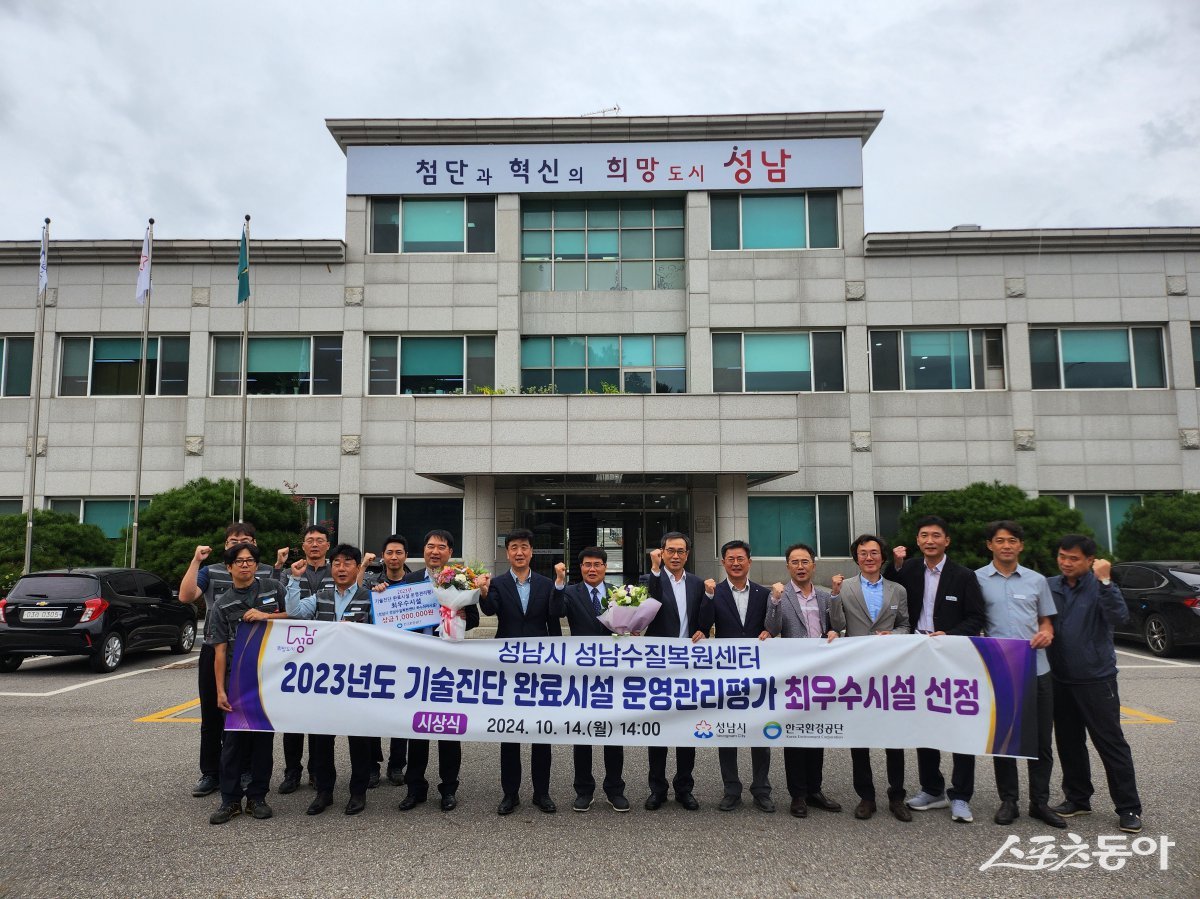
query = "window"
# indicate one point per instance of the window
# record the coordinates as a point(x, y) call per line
point(11, 506)
point(779, 361)
point(888, 509)
point(411, 517)
point(323, 510)
point(619, 244)
point(430, 364)
point(1092, 358)
point(16, 365)
point(287, 366)
point(938, 360)
point(628, 363)
point(774, 221)
point(110, 515)
point(1196, 353)
point(1104, 513)
point(433, 225)
point(776, 522)
point(108, 366)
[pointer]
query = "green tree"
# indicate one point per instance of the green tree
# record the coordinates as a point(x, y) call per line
point(197, 513)
point(969, 511)
point(1162, 527)
point(59, 541)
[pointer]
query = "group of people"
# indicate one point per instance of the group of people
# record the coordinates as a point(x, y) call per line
point(1068, 619)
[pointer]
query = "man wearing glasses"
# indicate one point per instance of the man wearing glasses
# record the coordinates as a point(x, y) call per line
point(687, 613)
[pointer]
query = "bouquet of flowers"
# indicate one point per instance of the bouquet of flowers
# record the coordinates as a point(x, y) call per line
point(628, 609)
point(455, 587)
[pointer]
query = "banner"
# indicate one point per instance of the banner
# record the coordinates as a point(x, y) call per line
point(407, 606)
point(973, 695)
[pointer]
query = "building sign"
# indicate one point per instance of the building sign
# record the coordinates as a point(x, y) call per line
point(616, 167)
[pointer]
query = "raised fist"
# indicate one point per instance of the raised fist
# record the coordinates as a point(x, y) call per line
point(299, 567)
point(899, 554)
point(1102, 568)
point(776, 591)
point(281, 557)
point(560, 571)
point(202, 553)
point(368, 558)
point(836, 580)
point(709, 586)
point(656, 558)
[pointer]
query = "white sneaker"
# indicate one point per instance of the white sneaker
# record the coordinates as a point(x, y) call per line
point(960, 811)
point(923, 802)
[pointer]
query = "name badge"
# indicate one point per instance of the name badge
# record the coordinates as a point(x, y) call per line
point(951, 599)
point(893, 608)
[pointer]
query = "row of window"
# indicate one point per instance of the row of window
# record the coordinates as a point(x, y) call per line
point(775, 522)
point(743, 362)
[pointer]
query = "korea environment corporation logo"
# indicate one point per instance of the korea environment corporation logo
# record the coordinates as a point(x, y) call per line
point(703, 730)
point(772, 730)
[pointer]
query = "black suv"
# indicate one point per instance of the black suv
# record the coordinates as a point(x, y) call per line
point(1164, 603)
point(97, 612)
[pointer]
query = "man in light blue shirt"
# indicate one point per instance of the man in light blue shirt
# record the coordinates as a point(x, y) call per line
point(1020, 607)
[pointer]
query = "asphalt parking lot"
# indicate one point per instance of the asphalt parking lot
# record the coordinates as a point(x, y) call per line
point(96, 800)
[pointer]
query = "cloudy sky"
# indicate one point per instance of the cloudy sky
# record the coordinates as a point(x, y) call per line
point(1030, 113)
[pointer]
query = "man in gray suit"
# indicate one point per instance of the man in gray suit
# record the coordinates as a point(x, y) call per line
point(868, 605)
point(801, 609)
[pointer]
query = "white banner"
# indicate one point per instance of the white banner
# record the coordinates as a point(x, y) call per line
point(963, 694)
point(750, 164)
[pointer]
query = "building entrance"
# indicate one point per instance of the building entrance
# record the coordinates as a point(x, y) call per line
point(626, 525)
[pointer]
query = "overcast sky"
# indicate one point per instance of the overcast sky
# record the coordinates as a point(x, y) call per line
point(1004, 114)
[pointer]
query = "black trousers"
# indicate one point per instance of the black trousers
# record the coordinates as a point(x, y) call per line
point(760, 765)
point(614, 764)
point(864, 780)
point(449, 766)
point(804, 768)
point(962, 774)
point(397, 753)
point(539, 768)
point(212, 719)
point(320, 762)
point(246, 750)
point(1093, 710)
point(1040, 769)
point(293, 755)
point(685, 763)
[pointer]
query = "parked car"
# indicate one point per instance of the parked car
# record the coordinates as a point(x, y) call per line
point(1164, 603)
point(101, 613)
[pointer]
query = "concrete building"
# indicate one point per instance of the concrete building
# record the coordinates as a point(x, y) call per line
point(657, 322)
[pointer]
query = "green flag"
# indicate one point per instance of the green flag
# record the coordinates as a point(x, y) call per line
point(244, 268)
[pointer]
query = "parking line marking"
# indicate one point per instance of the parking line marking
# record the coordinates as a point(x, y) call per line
point(165, 714)
point(1141, 717)
point(103, 680)
point(1138, 655)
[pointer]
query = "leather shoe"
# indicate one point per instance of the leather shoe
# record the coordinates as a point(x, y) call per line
point(764, 804)
point(729, 803)
point(655, 801)
point(1047, 815)
point(1007, 813)
point(395, 776)
point(688, 801)
point(508, 805)
point(320, 802)
point(356, 805)
point(373, 780)
point(1069, 809)
point(546, 804)
point(865, 809)
point(410, 802)
point(900, 810)
point(225, 813)
point(258, 808)
point(209, 783)
point(289, 784)
point(449, 802)
point(619, 803)
point(821, 801)
point(799, 808)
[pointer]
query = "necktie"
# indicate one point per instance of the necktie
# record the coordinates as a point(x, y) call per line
point(596, 601)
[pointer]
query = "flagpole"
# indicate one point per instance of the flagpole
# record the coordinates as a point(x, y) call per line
point(245, 369)
point(137, 489)
point(36, 389)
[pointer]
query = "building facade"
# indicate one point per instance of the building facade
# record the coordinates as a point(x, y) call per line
point(605, 328)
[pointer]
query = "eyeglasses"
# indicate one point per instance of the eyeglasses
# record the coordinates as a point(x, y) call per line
point(870, 554)
point(249, 561)
point(736, 560)
point(675, 552)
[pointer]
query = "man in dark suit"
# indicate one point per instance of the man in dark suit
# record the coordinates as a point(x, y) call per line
point(439, 545)
point(581, 605)
point(686, 613)
point(943, 598)
point(798, 610)
point(740, 611)
point(522, 602)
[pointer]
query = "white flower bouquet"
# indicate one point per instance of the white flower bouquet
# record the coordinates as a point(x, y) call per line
point(455, 587)
point(628, 609)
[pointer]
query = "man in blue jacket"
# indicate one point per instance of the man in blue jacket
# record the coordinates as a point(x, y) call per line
point(1083, 663)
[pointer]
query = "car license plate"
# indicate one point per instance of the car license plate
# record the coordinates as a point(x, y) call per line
point(41, 615)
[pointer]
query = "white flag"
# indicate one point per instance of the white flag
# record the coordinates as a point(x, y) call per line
point(143, 278)
point(43, 271)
